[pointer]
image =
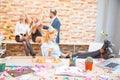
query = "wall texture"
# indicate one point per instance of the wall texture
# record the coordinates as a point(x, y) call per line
point(78, 17)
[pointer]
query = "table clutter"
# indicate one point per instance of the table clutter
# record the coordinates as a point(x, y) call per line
point(51, 68)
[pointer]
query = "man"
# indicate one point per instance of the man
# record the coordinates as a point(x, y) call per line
point(55, 23)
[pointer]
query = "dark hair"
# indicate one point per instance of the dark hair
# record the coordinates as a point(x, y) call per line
point(54, 11)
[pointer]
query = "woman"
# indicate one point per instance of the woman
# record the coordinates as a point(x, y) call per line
point(36, 31)
point(51, 48)
point(22, 32)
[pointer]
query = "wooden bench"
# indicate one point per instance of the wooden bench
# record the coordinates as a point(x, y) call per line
point(16, 48)
point(74, 47)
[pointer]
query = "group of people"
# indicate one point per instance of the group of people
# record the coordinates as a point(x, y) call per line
point(51, 48)
point(50, 42)
point(26, 28)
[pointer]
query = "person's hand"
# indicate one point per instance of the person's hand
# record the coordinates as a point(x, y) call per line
point(21, 36)
point(65, 54)
point(49, 51)
point(27, 37)
point(39, 25)
point(33, 26)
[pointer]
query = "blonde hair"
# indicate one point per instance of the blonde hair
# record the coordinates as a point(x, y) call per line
point(26, 18)
point(47, 35)
point(36, 20)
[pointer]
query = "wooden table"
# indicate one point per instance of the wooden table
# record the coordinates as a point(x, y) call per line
point(49, 74)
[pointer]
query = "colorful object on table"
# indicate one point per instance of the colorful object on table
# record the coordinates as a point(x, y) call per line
point(2, 67)
point(75, 78)
point(17, 79)
point(11, 67)
point(71, 78)
point(55, 60)
point(88, 63)
point(48, 64)
point(18, 71)
point(0, 73)
point(56, 78)
point(74, 60)
point(39, 66)
point(42, 78)
point(88, 78)
point(2, 78)
point(40, 60)
point(118, 77)
point(103, 77)
point(71, 61)
point(66, 78)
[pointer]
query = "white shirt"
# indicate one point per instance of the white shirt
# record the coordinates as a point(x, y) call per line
point(55, 52)
point(22, 28)
point(52, 20)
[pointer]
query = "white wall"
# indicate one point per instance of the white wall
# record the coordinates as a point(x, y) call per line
point(116, 38)
point(108, 19)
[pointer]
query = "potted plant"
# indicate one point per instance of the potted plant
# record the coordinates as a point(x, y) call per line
point(88, 63)
point(9, 30)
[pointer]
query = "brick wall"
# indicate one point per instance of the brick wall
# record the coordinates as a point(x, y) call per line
point(78, 17)
point(18, 49)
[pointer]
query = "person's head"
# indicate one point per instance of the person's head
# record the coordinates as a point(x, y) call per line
point(23, 18)
point(51, 35)
point(53, 13)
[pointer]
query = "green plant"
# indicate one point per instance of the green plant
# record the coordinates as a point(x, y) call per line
point(105, 35)
point(89, 59)
point(7, 27)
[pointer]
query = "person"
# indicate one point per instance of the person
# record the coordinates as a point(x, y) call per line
point(55, 23)
point(36, 31)
point(22, 33)
point(51, 48)
point(104, 52)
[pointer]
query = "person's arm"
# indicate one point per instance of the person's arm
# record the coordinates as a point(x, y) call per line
point(33, 30)
point(28, 32)
point(17, 29)
point(45, 27)
point(44, 48)
point(49, 51)
point(56, 51)
point(56, 25)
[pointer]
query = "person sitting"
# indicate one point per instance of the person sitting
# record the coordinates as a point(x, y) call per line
point(36, 31)
point(22, 33)
point(51, 48)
